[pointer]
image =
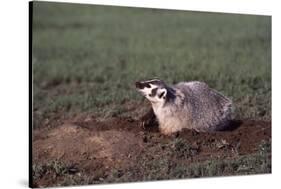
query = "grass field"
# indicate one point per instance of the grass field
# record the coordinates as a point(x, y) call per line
point(87, 58)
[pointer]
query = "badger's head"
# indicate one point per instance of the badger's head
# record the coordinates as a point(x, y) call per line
point(154, 90)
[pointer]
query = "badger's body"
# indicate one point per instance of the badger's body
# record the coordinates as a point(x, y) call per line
point(191, 105)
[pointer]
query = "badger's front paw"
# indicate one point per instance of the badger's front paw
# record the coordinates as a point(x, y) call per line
point(148, 120)
point(147, 123)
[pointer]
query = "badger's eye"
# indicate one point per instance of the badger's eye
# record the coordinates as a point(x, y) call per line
point(148, 86)
point(150, 95)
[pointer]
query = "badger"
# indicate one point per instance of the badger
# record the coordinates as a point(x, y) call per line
point(192, 105)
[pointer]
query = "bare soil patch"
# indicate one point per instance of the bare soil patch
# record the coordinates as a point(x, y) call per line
point(90, 147)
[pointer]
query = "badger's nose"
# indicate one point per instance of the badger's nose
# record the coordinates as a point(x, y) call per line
point(138, 85)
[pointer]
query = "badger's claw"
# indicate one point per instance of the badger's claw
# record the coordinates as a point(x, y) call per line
point(145, 124)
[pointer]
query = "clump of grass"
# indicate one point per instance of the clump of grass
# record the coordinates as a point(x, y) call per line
point(53, 169)
point(182, 149)
point(265, 147)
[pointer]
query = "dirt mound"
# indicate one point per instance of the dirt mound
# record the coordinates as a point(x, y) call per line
point(72, 143)
point(90, 145)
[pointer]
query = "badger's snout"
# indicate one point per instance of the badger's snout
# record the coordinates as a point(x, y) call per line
point(142, 85)
point(139, 85)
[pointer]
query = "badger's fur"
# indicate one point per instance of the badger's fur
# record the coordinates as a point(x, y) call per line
point(191, 105)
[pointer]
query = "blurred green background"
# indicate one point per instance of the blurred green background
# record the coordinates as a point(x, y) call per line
point(86, 58)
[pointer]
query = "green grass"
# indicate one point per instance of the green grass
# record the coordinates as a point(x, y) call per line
point(171, 163)
point(160, 167)
point(86, 58)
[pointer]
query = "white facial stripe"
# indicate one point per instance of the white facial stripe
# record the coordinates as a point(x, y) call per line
point(151, 80)
point(153, 86)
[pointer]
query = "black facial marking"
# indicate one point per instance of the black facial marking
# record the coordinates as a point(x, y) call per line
point(161, 95)
point(153, 92)
point(141, 85)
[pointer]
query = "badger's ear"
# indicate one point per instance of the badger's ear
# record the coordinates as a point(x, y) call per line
point(162, 93)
